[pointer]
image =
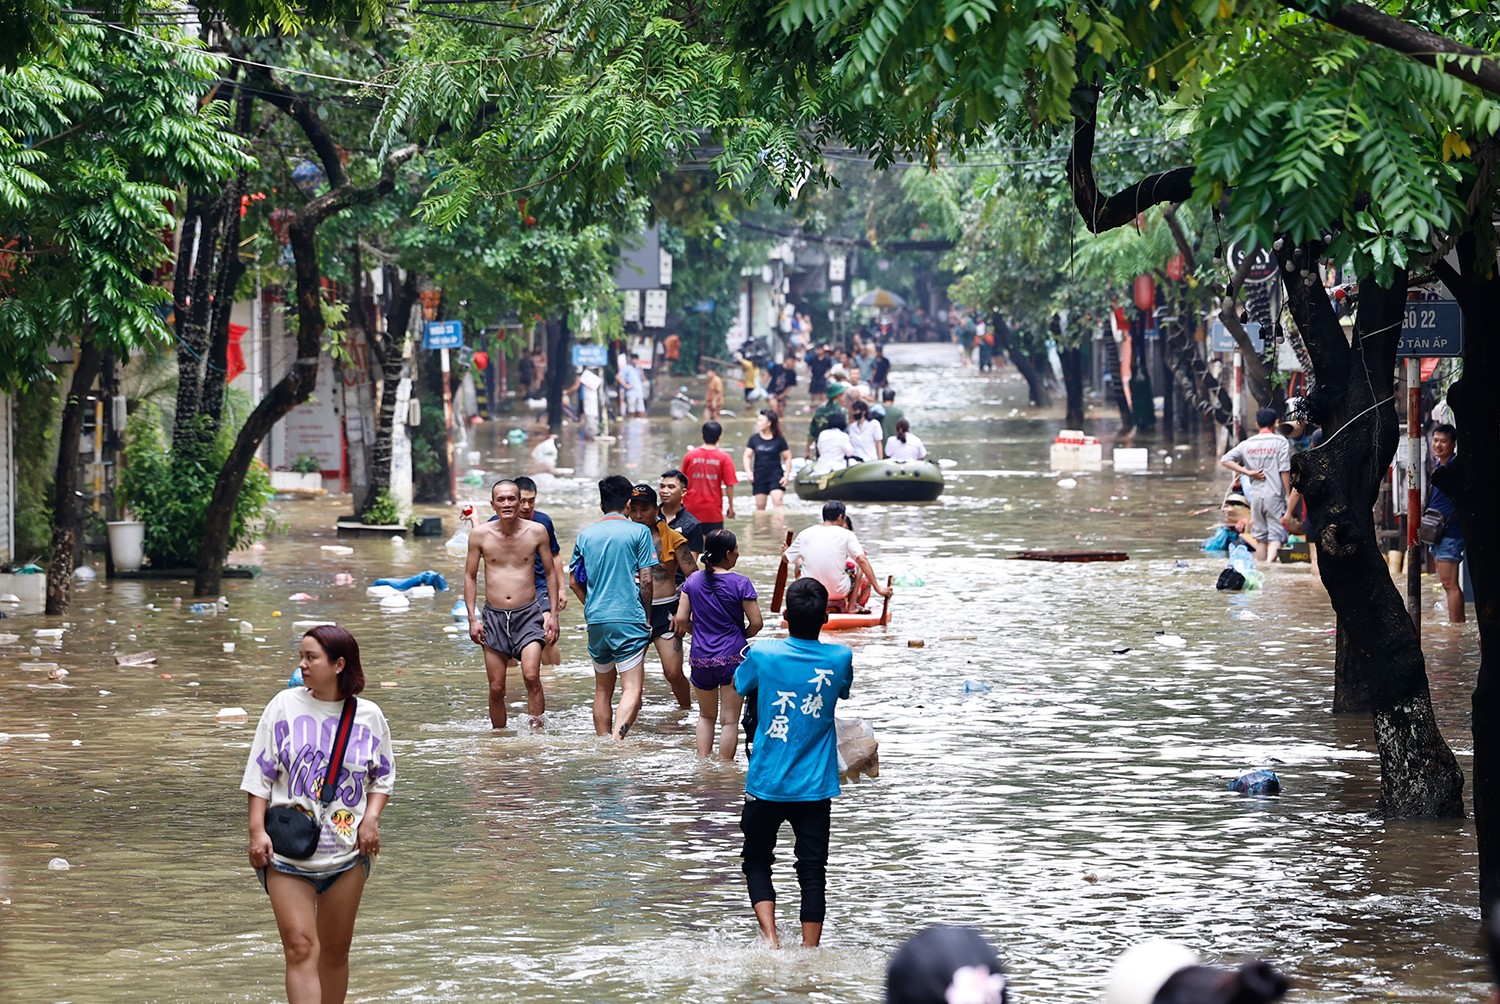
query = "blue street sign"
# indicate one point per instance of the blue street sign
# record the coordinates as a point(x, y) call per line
point(1220, 340)
point(443, 335)
point(1431, 328)
point(590, 354)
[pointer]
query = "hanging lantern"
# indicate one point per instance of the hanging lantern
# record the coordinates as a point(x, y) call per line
point(1145, 293)
point(1176, 267)
point(307, 176)
point(281, 224)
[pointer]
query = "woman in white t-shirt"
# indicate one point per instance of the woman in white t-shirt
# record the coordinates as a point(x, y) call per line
point(315, 899)
point(904, 445)
point(834, 447)
point(865, 433)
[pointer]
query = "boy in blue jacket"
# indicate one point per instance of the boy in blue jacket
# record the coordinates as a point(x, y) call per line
point(794, 772)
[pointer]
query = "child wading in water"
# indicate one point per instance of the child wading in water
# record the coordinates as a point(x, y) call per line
point(719, 608)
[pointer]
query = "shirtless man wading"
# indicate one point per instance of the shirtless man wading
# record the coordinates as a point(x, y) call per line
point(517, 623)
point(675, 555)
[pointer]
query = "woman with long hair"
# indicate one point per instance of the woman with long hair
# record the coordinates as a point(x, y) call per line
point(315, 897)
point(768, 460)
point(904, 445)
point(865, 433)
point(718, 608)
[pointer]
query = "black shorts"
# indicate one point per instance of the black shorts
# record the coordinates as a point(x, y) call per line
point(662, 613)
point(766, 485)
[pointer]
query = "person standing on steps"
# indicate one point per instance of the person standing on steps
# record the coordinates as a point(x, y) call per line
point(611, 573)
point(794, 771)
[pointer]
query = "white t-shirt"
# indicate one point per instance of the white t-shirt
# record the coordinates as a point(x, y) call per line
point(912, 449)
point(826, 552)
point(289, 760)
point(866, 439)
point(1264, 451)
point(834, 448)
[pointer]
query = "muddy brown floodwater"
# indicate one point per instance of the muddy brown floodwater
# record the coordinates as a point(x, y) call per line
point(1065, 799)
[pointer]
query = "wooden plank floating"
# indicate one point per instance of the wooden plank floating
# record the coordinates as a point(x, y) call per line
point(1075, 556)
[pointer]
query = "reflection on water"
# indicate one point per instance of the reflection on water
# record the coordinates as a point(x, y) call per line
point(1066, 799)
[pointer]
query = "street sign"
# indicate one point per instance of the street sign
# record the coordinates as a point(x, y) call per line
point(1220, 340)
point(590, 354)
point(1431, 328)
point(443, 335)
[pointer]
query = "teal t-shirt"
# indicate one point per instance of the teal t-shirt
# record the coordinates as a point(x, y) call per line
point(796, 683)
point(613, 551)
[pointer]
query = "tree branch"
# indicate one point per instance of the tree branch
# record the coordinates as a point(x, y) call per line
point(1101, 214)
point(301, 110)
point(1406, 38)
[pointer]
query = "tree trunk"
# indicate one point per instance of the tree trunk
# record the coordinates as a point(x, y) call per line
point(192, 291)
point(1471, 482)
point(1072, 364)
point(392, 357)
point(559, 370)
point(1036, 383)
point(1340, 480)
point(1351, 687)
point(294, 388)
point(67, 510)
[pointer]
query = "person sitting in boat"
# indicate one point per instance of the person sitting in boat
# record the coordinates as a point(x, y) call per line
point(825, 411)
point(904, 445)
point(835, 449)
point(865, 433)
point(833, 555)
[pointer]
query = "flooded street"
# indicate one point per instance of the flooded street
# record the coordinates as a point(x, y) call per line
point(1065, 799)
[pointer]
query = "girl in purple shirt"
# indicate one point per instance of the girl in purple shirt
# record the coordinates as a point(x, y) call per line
point(719, 609)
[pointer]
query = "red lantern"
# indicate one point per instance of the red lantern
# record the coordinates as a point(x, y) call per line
point(1176, 267)
point(1145, 293)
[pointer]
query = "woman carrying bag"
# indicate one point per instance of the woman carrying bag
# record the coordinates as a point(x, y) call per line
point(312, 842)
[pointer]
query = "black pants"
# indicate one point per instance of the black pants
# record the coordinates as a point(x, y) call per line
point(760, 822)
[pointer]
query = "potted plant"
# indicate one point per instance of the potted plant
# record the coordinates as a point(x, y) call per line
point(127, 539)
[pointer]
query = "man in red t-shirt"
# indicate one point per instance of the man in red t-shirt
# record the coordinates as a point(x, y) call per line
point(711, 480)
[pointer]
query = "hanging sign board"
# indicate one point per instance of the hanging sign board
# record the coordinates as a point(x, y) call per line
point(666, 269)
point(1262, 263)
point(443, 335)
point(632, 309)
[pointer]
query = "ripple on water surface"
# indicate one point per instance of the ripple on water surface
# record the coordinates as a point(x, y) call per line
point(1066, 799)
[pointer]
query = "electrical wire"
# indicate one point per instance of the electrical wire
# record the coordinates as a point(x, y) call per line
point(252, 62)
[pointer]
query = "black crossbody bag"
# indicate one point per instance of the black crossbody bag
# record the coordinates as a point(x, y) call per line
point(294, 833)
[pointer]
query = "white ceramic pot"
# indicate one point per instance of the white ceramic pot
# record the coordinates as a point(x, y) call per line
point(127, 539)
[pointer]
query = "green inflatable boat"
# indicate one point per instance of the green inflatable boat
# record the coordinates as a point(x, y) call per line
point(873, 481)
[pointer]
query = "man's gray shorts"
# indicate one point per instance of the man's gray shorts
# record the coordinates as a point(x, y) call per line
point(510, 631)
point(1265, 517)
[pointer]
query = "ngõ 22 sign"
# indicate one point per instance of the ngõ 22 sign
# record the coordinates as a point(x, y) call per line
point(1431, 328)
